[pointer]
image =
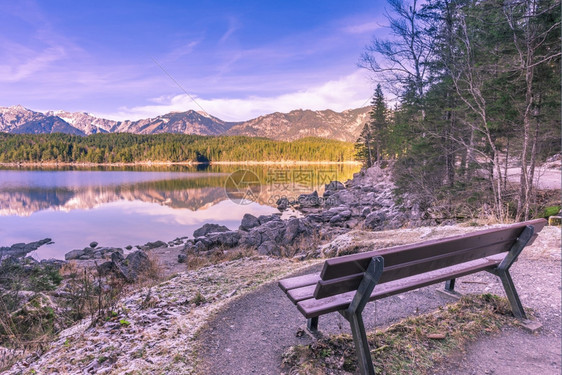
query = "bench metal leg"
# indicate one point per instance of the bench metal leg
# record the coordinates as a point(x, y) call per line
point(361, 345)
point(503, 271)
point(353, 314)
point(512, 296)
point(450, 285)
point(312, 324)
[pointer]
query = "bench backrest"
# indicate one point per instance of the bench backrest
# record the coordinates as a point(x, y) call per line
point(345, 273)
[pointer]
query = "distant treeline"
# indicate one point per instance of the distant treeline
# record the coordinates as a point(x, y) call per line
point(131, 148)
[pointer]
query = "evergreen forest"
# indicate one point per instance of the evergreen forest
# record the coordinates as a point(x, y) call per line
point(131, 148)
point(475, 88)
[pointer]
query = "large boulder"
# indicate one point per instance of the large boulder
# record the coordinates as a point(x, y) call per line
point(332, 187)
point(309, 200)
point(226, 239)
point(272, 230)
point(221, 239)
point(153, 245)
point(209, 228)
point(89, 253)
point(292, 230)
point(249, 221)
point(342, 216)
point(269, 248)
point(129, 268)
point(74, 254)
point(267, 218)
point(375, 220)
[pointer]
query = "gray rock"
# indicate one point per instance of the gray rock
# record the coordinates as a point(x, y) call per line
point(375, 220)
point(267, 218)
point(133, 265)
point(340, 217)
point(269, 248)
point(292, 230)
point(309, 200)
point(22, 249)
point(153, 245)
point(335, 185)
point(249, 221)
point(90, 253)
point(226, 239)
point(182, 258)
point(74, 254)
point(209, 228)
point(332, 187)
point(93, 244)
point(283, 204)
point(200, 246)
point(128, 247)
point(272, 230)
point(106, 268)
point(117, 257)
point(365, 211)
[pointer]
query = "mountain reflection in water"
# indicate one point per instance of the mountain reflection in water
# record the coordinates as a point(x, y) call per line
point(131, 207)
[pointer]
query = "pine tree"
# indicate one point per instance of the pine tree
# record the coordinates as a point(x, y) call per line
point(364, 146)
point(378, 124)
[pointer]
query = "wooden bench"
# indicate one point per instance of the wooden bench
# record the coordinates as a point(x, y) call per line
point(347, 283)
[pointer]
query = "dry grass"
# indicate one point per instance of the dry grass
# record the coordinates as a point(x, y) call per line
point(218, 255)
point(26, 328)
point(406, 347)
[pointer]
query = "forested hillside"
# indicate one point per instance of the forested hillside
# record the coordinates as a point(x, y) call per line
point(129, 148)
point(478, 92)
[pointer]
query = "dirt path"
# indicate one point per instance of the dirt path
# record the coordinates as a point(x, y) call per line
point(250, 335)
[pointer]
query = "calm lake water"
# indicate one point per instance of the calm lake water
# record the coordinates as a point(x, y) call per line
point(131, 206)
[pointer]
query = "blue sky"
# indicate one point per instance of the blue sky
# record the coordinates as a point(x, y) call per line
point(238, 59)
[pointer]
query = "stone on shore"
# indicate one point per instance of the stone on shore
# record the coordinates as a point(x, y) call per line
point(89, 253)
point(309, 200)
point(249, 221)
point(129, 268)
point(209, 228)
point(153, 245)
point(21, 249)
point(282, 204)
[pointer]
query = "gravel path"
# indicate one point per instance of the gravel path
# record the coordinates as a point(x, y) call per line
point(250, 335)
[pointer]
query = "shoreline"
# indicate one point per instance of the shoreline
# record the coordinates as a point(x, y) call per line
point(169, 163)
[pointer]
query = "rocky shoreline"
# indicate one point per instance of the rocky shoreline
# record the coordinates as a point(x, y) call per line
point(364, 202)
point(304, 230)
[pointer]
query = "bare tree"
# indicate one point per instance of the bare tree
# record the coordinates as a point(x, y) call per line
point(531, 39)
point(401, 61)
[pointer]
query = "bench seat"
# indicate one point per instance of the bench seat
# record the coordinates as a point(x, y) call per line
point(311, 307)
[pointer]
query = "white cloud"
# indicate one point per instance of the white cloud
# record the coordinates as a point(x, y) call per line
point(367, 27)
point(351, 91)
point(233, 26)
point(25, 66)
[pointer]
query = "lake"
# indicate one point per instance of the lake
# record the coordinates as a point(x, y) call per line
point(131, 206)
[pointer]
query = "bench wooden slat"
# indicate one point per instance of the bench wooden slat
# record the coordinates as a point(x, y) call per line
point(298, 281)
point(315, 307)
point(357, 263)
point(299, 294)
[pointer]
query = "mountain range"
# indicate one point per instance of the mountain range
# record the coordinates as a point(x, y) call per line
point(344, 126)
